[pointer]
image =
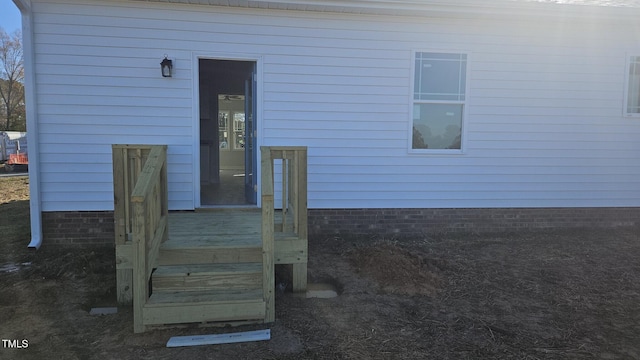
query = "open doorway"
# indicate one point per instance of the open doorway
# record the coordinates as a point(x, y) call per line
point(227, 132)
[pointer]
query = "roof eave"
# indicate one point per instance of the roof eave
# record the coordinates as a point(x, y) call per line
point(458, 8)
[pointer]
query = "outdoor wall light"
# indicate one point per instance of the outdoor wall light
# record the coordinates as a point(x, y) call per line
point(166, 66)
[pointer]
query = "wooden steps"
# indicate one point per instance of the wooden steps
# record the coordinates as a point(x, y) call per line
point(239, 276)
point(214, 266)
point(288, 250)
point(205, 293)
point(210, 270)
point(204, 296)
point(175, 307)
point(204, 238)
point(177, 313)
point(185, 254)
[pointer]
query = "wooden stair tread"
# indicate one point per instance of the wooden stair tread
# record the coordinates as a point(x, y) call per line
point(199, 277)
point(204, 306)
point(211, 241)
point(285, 236)
point(217, 225)
point(209, 255)
point(207, 269)
point(176, 298)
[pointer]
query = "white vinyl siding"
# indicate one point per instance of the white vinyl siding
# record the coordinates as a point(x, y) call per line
point(542, 129)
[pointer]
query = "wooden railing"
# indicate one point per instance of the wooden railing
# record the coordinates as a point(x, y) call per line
point(293, 181)
point(141, 214)
point(128, 161)
point(291, 224)
point(149, 198)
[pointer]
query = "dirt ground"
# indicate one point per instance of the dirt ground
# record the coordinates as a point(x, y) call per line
point(532, 295)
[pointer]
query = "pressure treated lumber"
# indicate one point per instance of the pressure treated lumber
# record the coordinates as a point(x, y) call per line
point(178, 313)
point(267, 235)
point(208, 277)
point(290, 228)
point(127, 165)
point(215, 266)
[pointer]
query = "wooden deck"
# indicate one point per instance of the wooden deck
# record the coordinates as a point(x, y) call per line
point(216, 227)
point(226, 236)
point(209, 266)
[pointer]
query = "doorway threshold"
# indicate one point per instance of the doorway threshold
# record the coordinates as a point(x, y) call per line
point(208, 208)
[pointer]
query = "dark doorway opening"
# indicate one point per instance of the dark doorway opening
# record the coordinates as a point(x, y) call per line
point(227, 132)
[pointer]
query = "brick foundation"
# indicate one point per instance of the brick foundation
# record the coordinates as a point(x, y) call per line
point(415, 222)
point(97, 228)
point(78, 228)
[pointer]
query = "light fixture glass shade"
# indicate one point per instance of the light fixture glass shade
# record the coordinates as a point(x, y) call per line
point(166, 66)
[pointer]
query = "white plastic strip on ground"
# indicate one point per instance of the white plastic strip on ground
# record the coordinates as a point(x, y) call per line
point(196, 340)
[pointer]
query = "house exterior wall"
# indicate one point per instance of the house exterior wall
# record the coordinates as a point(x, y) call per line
point(543, 124)
point(96, 228)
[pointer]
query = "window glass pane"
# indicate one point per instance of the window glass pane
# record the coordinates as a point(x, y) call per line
point(223, 130)
point(437, 126)
point(440, 76)
point(633, 101)
point(238, 131)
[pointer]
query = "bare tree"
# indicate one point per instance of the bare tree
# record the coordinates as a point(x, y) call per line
point(12, 107)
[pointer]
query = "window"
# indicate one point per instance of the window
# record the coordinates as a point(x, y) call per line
point(633, 89)
point(223, 130)
point(231, 130)
point(440, 80)
point(238, 130)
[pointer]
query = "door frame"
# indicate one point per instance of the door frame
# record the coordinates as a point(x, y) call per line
point(258, 123)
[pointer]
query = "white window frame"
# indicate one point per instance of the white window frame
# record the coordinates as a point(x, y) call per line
point(413, 102)
point(627, 84)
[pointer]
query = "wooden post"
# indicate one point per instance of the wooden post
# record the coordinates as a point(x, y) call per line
point(118, 194)
point(128, 183)
point(124, 277)
point(268, 268)
point(285, 202)
point(295, 189)
point(299, 277)
point(149, 226)
point(165, 196)
point(301, 183)
point(140, 282)
point(300, 269)
point(137, 217)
